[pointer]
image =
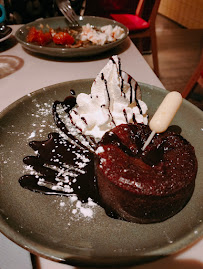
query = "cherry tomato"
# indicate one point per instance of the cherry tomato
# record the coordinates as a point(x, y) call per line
point(38, 36)
point(63, 38)
point(32, 35)
point(43, 38)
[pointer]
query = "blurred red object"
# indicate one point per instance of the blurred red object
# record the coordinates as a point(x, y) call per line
point(63, 38)
point(38, 36)
point(133, 22)
point(139, 28)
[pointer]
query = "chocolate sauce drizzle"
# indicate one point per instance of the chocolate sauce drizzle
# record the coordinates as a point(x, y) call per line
point(106, 86)
point(133, 92)
point(65, 165)
point(68, 104)
point(119, 72)
point(57, 169)
point(129, 81)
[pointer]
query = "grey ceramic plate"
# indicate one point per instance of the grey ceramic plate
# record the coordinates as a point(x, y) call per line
point(68, 52)
point(46, 225)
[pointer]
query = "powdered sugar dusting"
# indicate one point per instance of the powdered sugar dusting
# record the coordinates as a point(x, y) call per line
point(67, 175)
point(79, 209)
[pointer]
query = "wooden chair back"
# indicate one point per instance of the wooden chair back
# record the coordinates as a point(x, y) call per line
point(140, 8)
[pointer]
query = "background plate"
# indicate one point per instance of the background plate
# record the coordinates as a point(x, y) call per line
point(45, 224)
point(56, 22)
point(8, 35)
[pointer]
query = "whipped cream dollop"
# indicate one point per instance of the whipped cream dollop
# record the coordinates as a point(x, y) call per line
point(100, 36)
point(112, 101)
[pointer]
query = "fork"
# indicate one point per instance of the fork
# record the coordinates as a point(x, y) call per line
point(66, 9)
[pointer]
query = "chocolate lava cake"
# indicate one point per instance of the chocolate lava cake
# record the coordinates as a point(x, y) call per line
point(144, 186)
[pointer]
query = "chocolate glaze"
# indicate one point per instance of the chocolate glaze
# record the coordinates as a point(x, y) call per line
point(167, 152)
point(144, 186)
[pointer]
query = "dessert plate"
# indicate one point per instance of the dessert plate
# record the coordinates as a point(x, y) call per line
point(55, 227)
point(61, 22)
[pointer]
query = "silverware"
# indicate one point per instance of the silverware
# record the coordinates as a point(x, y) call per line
point(66, 9)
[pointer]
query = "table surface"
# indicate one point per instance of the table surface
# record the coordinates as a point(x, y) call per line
point(17, 80)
